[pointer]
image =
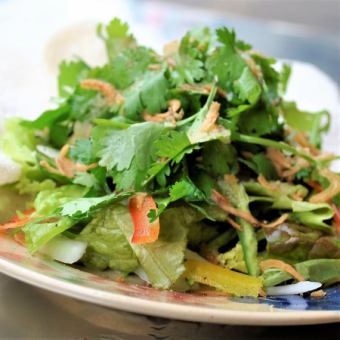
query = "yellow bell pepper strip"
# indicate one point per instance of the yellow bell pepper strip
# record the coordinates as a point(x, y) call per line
point(222, 279)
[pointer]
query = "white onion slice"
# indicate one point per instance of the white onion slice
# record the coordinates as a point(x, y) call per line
point(64, 249)
point(142, 274)
point(295, 288)
point(10, 171)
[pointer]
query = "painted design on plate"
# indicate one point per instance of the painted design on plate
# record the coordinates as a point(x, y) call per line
point(16, 254)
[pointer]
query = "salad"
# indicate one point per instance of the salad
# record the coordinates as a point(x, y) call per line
point(186, 168)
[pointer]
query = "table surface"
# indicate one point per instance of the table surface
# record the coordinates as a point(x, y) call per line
point(29, 312)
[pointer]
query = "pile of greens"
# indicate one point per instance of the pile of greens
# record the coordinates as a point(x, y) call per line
point(187, 168)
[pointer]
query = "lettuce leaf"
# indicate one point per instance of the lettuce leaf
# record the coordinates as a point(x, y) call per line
point(107, 245)
point(320, 270)
point(18, 142)
point(163, 259)
point(48, 201)
point(313, 215)
point(39, 232)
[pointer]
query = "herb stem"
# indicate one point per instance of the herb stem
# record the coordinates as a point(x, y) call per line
point(274, 144)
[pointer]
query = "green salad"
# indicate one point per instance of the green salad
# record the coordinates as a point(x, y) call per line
point(186, 168)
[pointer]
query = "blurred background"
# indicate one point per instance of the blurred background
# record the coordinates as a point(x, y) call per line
point(36, 34)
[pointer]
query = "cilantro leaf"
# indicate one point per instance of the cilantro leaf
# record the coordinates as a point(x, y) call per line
point(86, 206)
point(284, 77)
point(70, 73)
point(170, 146)
point(270, 76)
point(148, 93)
point(310, 122)
point(128, 153)
point(49, 118)
point(261, 165)
point(182, 189)
point(82, 151)
point(188, 67)
point(219, 158)
point(231, 69)
point(116, 37)
point(130, 64)
point(258, 122)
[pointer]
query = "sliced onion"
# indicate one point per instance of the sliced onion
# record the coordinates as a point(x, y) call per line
point(142, 274)
point(10, 171)
point(295, 288)
point(64, 249)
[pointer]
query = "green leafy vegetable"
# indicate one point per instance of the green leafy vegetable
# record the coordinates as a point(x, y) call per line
point(107, 245)
point(163, 260)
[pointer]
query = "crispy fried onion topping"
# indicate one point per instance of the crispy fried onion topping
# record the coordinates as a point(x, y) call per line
point(266, 264)
point(108, 91)
point(225, 205)
point(332, 190)
point(209, 123)
point(302, 140)
point(286, 166)
point(203, 89)
point(173, 114)
point(65, 166)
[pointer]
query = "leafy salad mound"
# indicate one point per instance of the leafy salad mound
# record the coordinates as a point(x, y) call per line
point(187, 168)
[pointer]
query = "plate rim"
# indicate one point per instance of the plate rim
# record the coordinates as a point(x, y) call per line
point(169, 310)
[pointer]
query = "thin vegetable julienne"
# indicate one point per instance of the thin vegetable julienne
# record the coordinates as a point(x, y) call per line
point(239, 198)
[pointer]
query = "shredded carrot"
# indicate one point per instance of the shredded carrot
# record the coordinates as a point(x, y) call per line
point(107, 90)
point(266, 264)
point(332, 190)
point(18, 221)
point(20, 238)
